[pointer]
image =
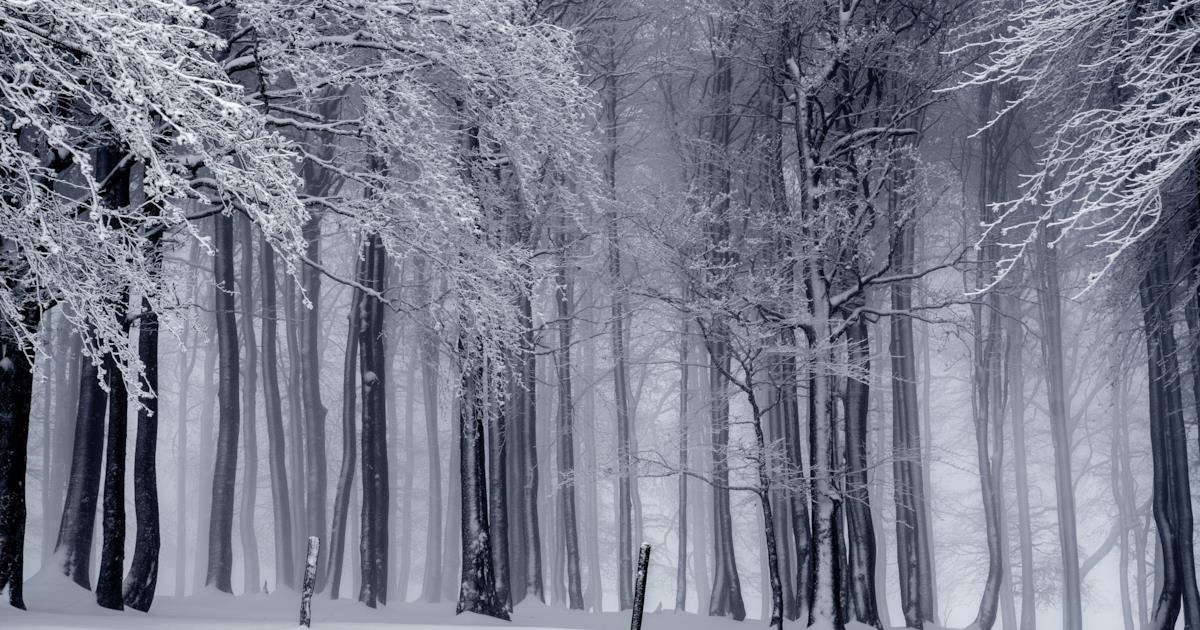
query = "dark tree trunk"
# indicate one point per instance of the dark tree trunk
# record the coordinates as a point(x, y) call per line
point(249, 538)
point(532, 543)
point(497, 441)
point(345, 483)
point(310, 373)
point(726, 599)
point(74, 546)
point(374, 542)
point(16, 398)
point(1172, 492)
point(564, 299)
point(285, 557)
point(296, 449)
point(477, 590)
point(224, 483)
point(681, 555)
point(112, 551)
point(142, 579)
point(860, 525)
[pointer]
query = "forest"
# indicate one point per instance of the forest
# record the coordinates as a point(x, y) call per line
point(860, 313)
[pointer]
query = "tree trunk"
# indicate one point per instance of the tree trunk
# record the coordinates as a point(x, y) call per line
point(497, 444)
point(285, 557)
point(726, 599)
point(16, 399)
point(374, 542)
point(532, 543)
point(1050, 308)
point(860, 526)
point(310, 379)
point(142, 580)
point(250, 583)
point(1016, 395)
point(431, 583)
point(345, 483)
point(1172, 493)
point(477, 590)
point(112, 552)
point(406, 481)
point(220, 532)
point(296, 451)
point(564, 295)
point(681, 555)
point(74, 547)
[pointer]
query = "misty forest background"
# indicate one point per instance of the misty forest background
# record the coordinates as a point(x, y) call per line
point(855, 310)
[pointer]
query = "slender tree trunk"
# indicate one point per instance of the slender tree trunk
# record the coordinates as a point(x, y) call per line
point(220, 533)
point(860, 525)
point(497, 444)
point(826, 602)
point(532, 544)
point(373, 364)
point(564, 295)
point(204, 472)
point(431, 583)
point(345, 482)
point(1118, 456)
point(310, 372)
point(250, 568)
point(112, 553)
point(181, 452)
point(477, 590)
point(46, 339)
point(1016, 396)
point(406, 481)
point(66, 393)
point(1049, 301)
point(16, 399)
point(682, 554)
point(295, 384)
point(142, 580)
point(285, 557)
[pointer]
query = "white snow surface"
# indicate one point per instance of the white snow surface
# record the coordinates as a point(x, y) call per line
point(55, 603)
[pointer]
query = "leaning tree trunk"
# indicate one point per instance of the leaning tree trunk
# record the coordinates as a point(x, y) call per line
point(345, 483)
point(860, 525)
point(74, 546)
point(224, 483)
point(16, 398)
point(374, 541)
point(285, 557)
point(250, 568)
point(477, 589)
point(112, 550)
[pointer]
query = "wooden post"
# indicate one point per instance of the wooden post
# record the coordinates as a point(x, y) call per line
point(310, 581)
point(639, 587)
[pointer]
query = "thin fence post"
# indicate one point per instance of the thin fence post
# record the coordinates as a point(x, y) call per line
point(310, 581)
point(639, 587)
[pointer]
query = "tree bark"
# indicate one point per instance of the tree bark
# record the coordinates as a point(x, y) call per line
point(1172, 493)
point(310, 373)
point(16, 399)
point(220, 532)
point(74, 547)
point(726, 598)
point(285, 557)
point(860, 526)
point(477, 589)
point(1050, 309)
point(373, 378)
point(431, 583)
point(564, 295)
point(142, 580)
point(249, 539)
point(112, 551)
point(345, 483)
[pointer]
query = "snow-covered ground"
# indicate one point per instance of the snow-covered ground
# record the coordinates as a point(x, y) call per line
point(57, 604)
